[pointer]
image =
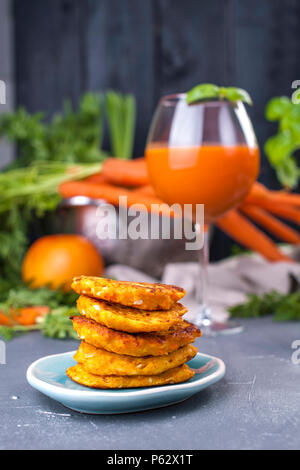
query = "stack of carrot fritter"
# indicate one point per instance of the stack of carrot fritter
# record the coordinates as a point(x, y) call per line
point(133, 334)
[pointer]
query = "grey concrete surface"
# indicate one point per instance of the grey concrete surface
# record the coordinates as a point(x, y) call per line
point(256, 405)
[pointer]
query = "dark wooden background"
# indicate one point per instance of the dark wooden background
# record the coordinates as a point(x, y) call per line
point(155, 47)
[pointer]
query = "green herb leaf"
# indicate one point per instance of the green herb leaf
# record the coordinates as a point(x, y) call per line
point(236, 94)
point(7, 332)
point(284, 307)
point(74, 136)
point(21, 295)
point(10, 332)
point(277, 108)
point(121, 112)
point(57, 324)
point(288, 172)
point(209, 91)
point(201, 92)
point(281, 147)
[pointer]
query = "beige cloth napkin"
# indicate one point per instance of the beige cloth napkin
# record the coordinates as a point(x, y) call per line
point(230, 280)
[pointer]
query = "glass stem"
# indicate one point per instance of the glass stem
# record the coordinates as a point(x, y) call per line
point(203, 313)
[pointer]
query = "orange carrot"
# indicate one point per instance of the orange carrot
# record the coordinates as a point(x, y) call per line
point(244, 232)
point(5, 319)
point(146, 190)
point(24, 316)
point(259, 193)
point(273, 225)
point(273, 201)
point(111, 194)
point(28, 315)
point(96, 178)
point(129, 173)
point(282, 210)
point(285, 198)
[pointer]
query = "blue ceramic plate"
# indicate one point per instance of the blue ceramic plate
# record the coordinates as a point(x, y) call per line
point(48, 376)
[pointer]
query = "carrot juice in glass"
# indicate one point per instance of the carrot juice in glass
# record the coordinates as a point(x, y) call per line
point(202, 153)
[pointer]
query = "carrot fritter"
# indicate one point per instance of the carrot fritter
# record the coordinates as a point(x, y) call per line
point(139, 295)
point(129, 319)
point(135, 344)
point(100, 362)
point(80, 375)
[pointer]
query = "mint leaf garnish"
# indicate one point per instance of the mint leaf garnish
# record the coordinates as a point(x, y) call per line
point(209, 90)
point(201, 92)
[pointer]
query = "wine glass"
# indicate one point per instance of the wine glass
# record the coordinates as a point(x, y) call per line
point(202, 153)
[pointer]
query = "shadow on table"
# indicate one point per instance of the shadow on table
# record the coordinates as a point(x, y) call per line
point(200, 400)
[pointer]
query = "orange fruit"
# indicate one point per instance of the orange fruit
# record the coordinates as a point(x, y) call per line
point(54, 260)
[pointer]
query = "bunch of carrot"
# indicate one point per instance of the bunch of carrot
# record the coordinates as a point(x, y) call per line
point(262, 206)
point(117, 178)
point(129, 178)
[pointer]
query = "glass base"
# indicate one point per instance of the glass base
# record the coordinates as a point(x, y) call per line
point(229, 327)
point(209, 327)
